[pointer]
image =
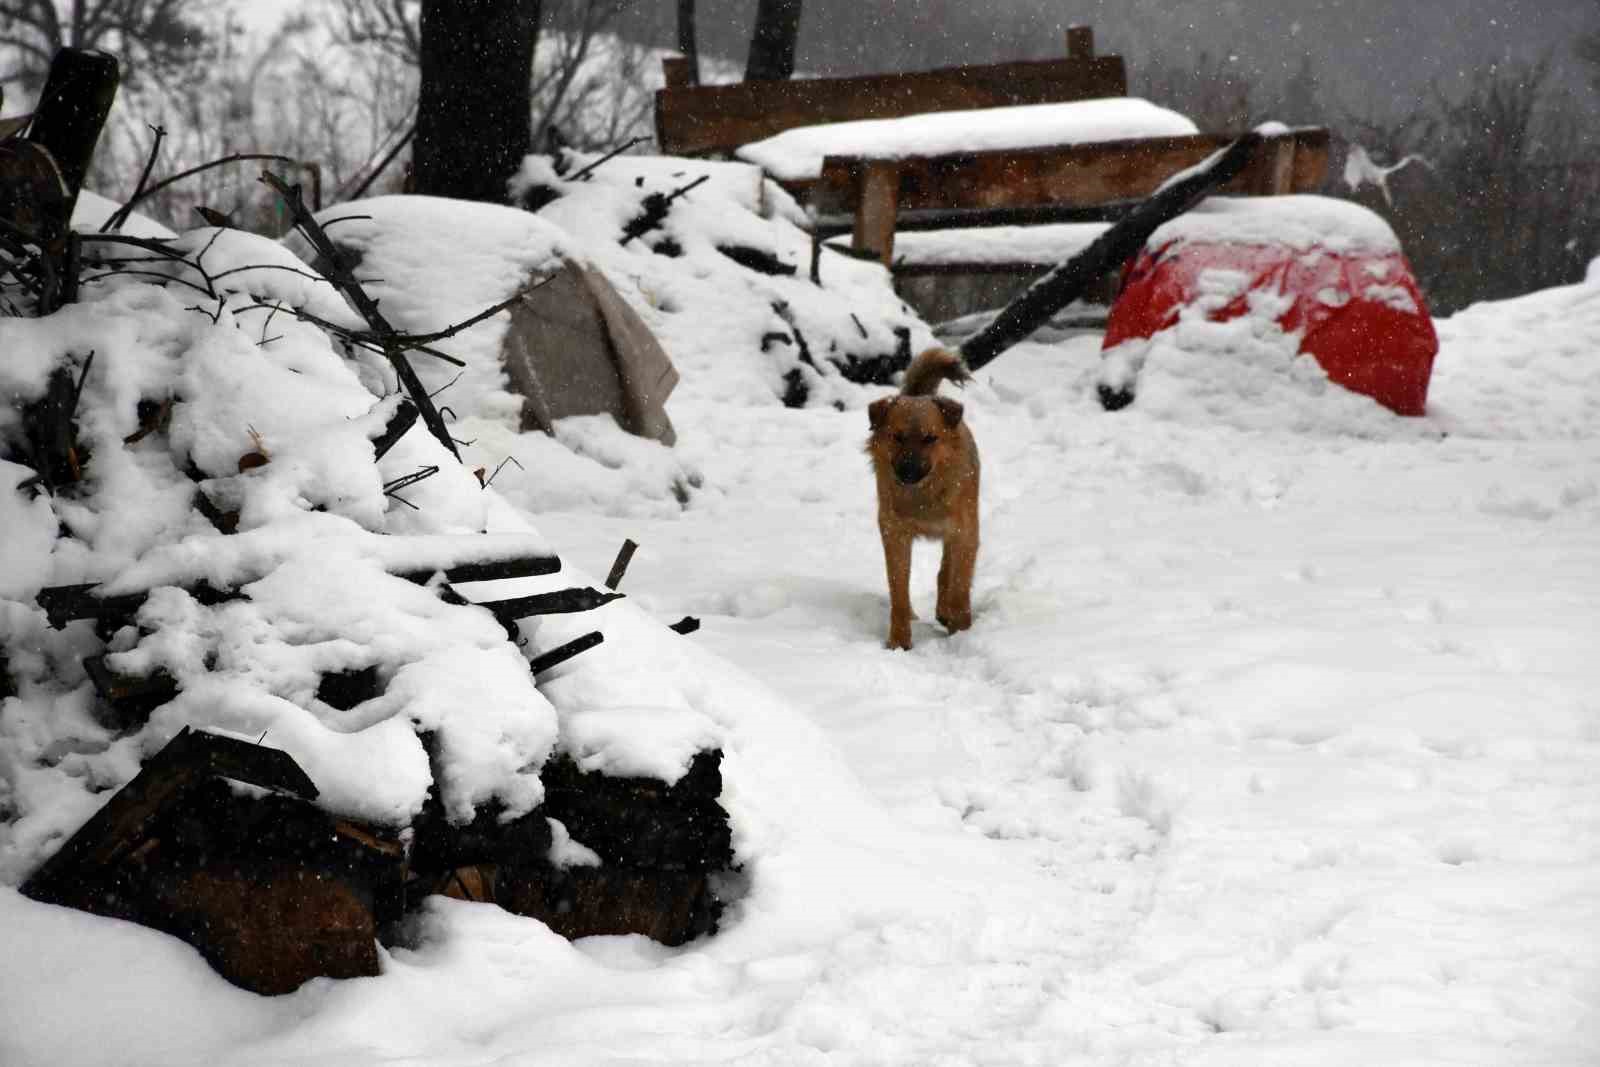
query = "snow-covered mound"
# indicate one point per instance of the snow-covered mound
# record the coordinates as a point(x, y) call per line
point(1302, 222)
point(1532, 353)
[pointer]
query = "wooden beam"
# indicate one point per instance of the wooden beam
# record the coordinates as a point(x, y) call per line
point(1080, 42)
point(876, 206)
point(1074, 176)
point(677, 72)
point(1277, 167)
point(704, 119)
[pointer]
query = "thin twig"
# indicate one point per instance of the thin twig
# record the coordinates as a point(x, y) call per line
point(241, 157)
point(385, 334)
point(583, 174)
point(121, 215)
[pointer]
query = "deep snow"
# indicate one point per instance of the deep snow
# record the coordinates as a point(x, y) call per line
point(1274, 741)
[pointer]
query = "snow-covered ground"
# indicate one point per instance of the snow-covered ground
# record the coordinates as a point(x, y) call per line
point(1275, 741)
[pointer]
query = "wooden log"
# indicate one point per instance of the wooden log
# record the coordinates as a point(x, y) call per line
point(64, 603)
point(119, 826)
point(129, 699)
point(73, 105)
point(559, 602)
point(671, 907)
point(643, 822)
point(719, 118)
point(559, 655)
point(619, 566)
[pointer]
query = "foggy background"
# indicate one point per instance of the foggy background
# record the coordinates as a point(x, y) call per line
point(1368, 54)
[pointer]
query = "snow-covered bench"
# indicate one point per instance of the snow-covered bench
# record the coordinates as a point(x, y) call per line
point(1085, 177)
point(698, 120)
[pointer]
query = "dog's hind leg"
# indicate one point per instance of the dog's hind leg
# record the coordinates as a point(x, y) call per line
point(897, 563)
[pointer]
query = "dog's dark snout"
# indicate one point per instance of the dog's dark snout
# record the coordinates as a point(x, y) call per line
point(910, 470)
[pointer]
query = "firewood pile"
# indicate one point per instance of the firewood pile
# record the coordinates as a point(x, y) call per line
point(280, 869)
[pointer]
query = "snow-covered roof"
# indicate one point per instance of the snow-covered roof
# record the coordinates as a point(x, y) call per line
point(797, 154)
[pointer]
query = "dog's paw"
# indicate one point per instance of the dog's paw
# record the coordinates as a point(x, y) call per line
point(899, 641)
point(956, 621)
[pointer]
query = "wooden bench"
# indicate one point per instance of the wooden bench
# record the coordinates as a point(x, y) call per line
point(872, 198)
point(699, 120)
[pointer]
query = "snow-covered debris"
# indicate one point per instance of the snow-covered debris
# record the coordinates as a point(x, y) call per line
point(797, 154)
point(231, 379)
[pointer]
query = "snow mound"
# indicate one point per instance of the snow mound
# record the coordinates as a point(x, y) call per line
point(1524, 367)
point(1301, 222)
point(1247, 373)
point(240, 401)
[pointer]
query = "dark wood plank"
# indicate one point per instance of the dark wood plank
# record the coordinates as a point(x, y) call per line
point(1075, 175)
point(702, 119)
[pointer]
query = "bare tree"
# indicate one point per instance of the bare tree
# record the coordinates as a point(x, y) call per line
point(152, 38)
point(688, 43)
point(472, 104)
point(772, 44)
point(392, 26)
point(559, 86)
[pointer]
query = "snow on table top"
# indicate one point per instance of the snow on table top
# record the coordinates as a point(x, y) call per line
point(1050, 243)
point(1301, 222)
point(797, 154)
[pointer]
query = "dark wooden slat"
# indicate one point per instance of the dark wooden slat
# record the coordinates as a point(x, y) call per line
point(487, 570)
point(559, 655)
point(559, 602)
point(719, 118)
point(1074, 175)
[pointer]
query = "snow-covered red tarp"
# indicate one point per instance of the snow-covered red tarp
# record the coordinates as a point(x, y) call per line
point(797, 154)
point(1330, 273)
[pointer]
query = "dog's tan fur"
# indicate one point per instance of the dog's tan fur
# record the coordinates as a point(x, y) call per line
point(917, 432)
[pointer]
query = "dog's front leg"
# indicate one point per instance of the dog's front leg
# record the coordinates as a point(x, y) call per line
point(955, 576)
point(897, 562)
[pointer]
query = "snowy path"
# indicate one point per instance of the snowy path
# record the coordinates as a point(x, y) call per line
point(1272, 746)
point(1296, 734)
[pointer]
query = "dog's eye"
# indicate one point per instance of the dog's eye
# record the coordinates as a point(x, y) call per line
point(929, 439)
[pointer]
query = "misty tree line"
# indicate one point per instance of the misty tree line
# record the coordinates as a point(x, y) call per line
point(1497, 197)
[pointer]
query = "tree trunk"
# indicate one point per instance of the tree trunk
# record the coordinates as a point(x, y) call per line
point(472, 106)
point(687, 43)
point(772, 44)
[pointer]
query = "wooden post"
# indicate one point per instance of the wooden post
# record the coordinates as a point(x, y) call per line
point(1080, 42)
point(876, 207)
point(1277, 172)
point(677, 72)
point(73, 107)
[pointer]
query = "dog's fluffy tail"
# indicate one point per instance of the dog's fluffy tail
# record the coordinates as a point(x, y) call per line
point(932, 367)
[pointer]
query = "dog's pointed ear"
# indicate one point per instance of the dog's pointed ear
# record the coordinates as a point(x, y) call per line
point(878, 410)
point(950, 409)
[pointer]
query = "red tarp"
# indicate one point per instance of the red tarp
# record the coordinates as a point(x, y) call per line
point(1359, 314)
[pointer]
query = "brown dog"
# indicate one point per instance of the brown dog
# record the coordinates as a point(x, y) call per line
point(926, 464)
